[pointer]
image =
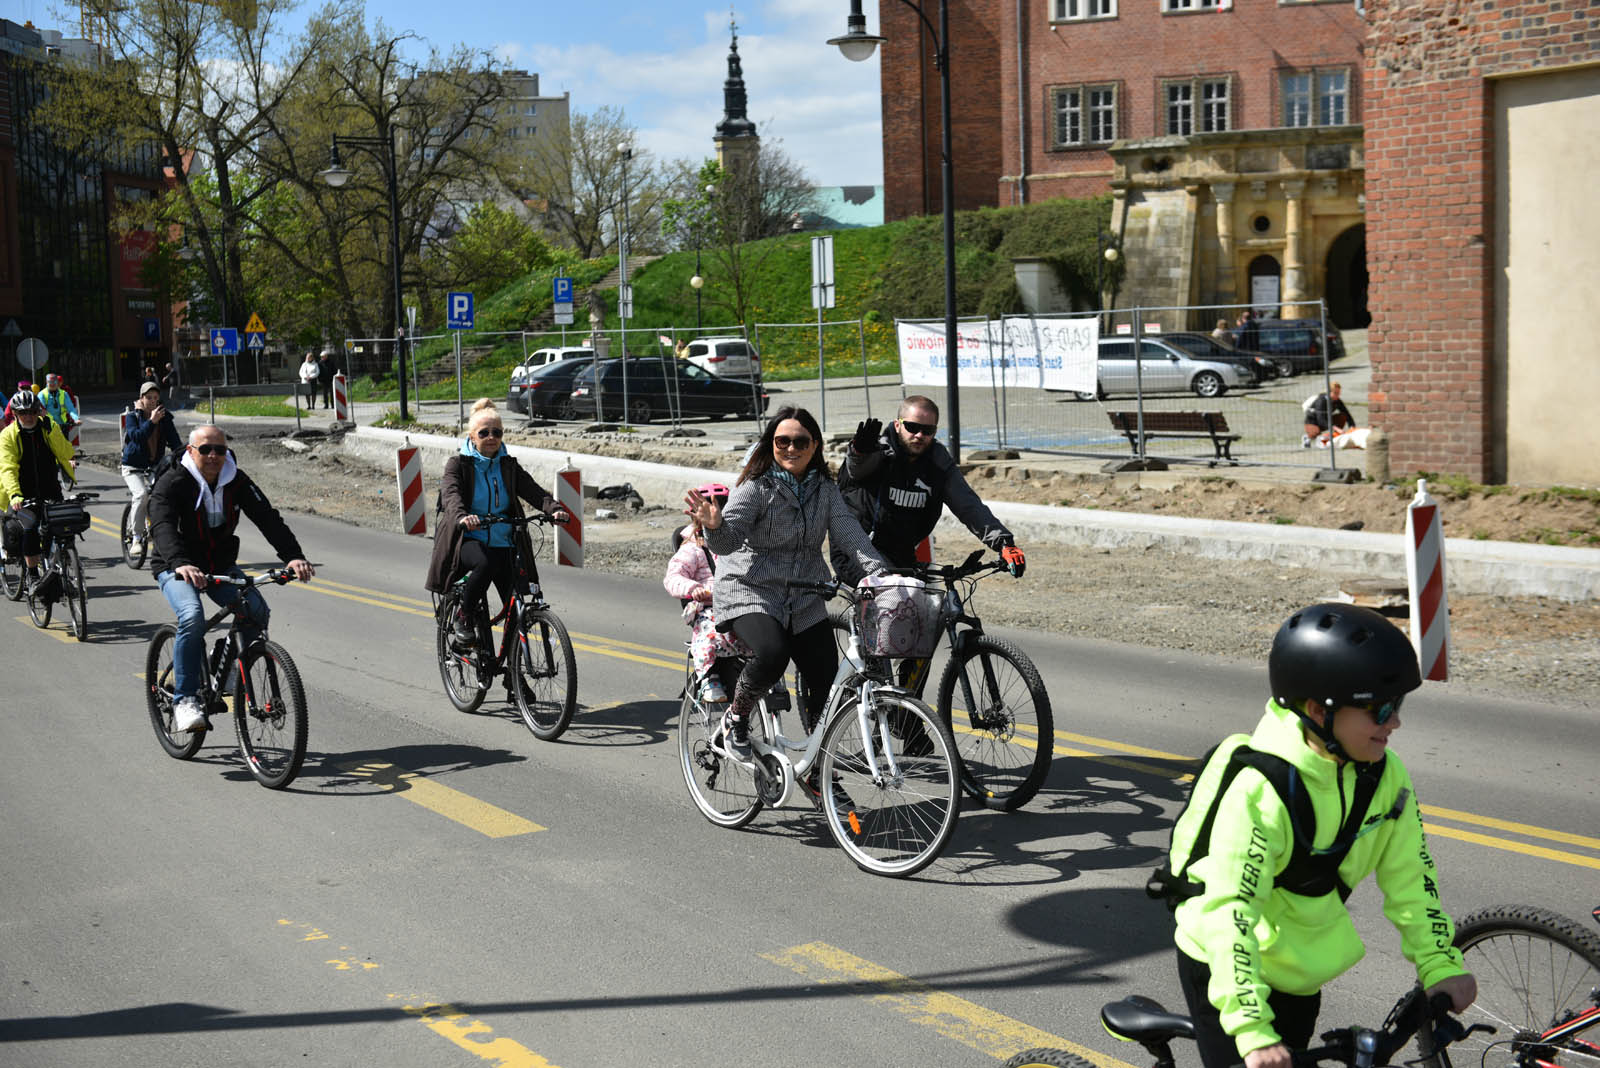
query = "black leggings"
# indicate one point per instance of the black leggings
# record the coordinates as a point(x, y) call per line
point(483, 564)
point(813, 651)
point(1294, 1016)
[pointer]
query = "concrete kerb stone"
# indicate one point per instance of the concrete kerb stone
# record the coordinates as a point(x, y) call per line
point(1473, 567)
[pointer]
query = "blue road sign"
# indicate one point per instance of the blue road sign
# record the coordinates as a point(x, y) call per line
point(152, 329)
point(224, 341)
point(458, 314)
point(561, 290)
point(255, 341)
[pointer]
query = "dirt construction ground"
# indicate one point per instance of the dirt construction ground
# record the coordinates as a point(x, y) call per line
point(1523, 647)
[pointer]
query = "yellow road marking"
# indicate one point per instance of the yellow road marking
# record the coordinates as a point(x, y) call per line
point(956, 1018)
point(58, 635)
point(1515, 828)
point(464, 809)
point(1515, 847)
point(446, 1020)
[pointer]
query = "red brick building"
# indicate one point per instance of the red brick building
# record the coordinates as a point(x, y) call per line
point(1483, 157)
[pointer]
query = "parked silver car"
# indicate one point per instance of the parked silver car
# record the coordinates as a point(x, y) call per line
point(1163, 368)
point(726, 357)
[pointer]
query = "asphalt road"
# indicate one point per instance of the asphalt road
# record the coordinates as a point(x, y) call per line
point(444, 889)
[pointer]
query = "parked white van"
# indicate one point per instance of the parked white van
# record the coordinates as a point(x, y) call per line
point(727, 357)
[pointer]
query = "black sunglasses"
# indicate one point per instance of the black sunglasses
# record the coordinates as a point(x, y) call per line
point(1383, 711)
point(491, 432)
point(927, 429)
point(799, 444)
point(210, 450)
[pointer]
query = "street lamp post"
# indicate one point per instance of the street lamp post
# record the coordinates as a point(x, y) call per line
point(624, 295)
point(699, 281)
point(336, 176)
point(1107, 245)
point(858, 45)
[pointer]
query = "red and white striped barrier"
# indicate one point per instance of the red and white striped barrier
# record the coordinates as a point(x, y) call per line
point(408, 473)
point(73, 434)
point(569, 538)
point(341, 398)
point(1430, 611)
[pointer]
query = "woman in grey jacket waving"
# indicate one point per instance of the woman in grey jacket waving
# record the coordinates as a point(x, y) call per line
point(768, 535)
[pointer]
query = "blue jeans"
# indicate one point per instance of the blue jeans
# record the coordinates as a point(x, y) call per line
point(189, 651)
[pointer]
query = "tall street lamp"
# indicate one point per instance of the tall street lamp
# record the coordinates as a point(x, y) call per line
point(1107, 245)
point(625, 294)
point(699, 281)
point(336, 176)
point(858, 45)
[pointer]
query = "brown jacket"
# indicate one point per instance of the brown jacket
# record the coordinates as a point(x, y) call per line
point(455, 501)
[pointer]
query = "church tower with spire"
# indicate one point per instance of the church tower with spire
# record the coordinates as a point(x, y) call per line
point(736, 140)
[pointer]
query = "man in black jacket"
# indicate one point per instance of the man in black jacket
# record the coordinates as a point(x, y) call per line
point(194, 509)
point(898, 480)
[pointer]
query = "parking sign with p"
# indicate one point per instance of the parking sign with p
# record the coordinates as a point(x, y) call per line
point(458, 313)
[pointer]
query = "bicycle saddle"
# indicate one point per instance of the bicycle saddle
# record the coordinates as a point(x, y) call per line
point(1142, 1019)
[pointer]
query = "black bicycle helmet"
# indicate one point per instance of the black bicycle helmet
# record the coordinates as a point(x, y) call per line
point(1341, 655)
point(25, 400)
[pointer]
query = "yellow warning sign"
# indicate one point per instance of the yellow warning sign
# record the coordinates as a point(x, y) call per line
point(255, 325)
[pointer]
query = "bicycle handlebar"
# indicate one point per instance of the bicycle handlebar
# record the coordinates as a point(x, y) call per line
point(538, 518)
point(280, 576)
point(972, 565)
point(1359, 1047)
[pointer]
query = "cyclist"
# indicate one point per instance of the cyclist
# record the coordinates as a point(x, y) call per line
point(23, 386)
point(150, 437)
point(898, 480)
point(58, 404)
point(194, 509)
point(1262, 924)
point(483, 479)
point(32, 453)
point(769, 534)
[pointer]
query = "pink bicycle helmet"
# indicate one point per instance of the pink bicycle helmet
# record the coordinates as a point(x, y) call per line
point(716, 491)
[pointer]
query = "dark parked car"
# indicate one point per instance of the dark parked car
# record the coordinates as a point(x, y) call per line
point(653, 394)
point(1207, 347)
point(1297, 341)
point(547, 391)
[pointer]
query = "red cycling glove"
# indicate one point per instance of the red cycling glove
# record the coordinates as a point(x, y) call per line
point(1014, 560)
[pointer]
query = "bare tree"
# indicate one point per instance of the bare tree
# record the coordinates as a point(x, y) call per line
point(584, 178)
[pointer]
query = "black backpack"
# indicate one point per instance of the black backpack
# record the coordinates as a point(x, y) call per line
point(1309, 873)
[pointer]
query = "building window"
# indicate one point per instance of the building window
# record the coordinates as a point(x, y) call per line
point(1195, 5)
point(1070, 10)
point(531, 109)
point(1320, 98)
point(1083, 115)
point(1214, 104)
point(530, 131)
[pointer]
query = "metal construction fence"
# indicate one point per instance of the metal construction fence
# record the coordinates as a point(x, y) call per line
point(1145, 383)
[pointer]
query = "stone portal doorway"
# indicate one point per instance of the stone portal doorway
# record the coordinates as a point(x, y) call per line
point(1346, 273)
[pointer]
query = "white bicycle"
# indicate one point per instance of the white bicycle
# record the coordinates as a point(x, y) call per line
point(893, 782)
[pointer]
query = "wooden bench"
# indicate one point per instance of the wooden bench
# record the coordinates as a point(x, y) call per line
point(1213, 425)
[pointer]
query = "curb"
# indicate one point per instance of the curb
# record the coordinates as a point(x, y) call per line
point(1494, 568)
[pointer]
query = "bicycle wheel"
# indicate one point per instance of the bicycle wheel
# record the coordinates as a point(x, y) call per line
point(158, 683)
point(75, 593)
point(1046, 1058)
point(38, 607)
point(723, 790)
point(11, 577)
point(1534, 969)
point(890, 826)
point(269, 713)
point(1006, 736)
point(133, 559)
point(545, 674)
point(461, 672)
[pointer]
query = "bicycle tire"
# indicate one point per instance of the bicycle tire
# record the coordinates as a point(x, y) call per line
point(12, 578)
point(133, 559)
point(544, 674)
point(75, 592)
point(158, 679)
point(722, 789)
point(269, 714)
point(1046, 1058)
point(39, 610)
point(1534, 968)
point(461, 672)
point(894, 828)
point(1004, 746)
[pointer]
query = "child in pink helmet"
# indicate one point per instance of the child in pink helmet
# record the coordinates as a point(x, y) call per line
point(689, 579)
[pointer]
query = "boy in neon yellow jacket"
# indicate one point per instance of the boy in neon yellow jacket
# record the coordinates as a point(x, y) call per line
point(1282, 824)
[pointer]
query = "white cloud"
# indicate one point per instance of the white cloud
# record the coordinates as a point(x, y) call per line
point(825, 109)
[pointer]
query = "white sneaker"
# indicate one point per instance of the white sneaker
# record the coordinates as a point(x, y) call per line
point(712, 691)
point(135, 545)
point(189, 716)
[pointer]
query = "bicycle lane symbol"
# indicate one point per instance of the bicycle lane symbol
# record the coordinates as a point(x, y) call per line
point(442, 1018)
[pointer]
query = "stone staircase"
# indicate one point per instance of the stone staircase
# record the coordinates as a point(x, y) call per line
point(445, 369)
point(546, 320)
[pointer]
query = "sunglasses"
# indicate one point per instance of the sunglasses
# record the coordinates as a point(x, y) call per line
point(210, 450)
point(925, 429)
point(798, 444)
point(1383, 711)
point(491, 432)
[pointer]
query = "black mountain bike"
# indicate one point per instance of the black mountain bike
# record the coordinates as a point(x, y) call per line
point(61, 524)
point(269, 702)
point(990, 694)
point(535, 655)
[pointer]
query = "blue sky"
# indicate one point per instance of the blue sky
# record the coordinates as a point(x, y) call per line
point(663, 63)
